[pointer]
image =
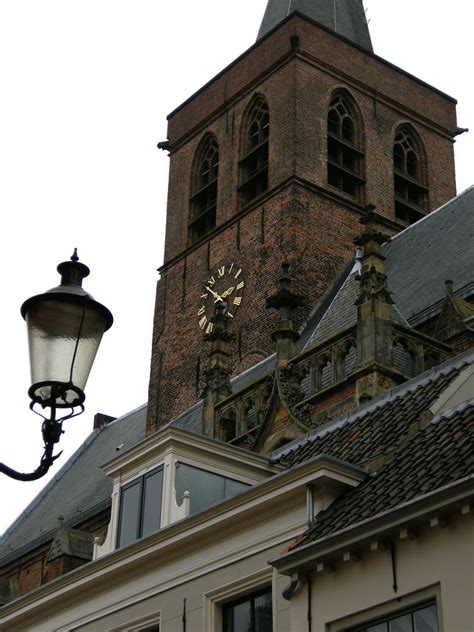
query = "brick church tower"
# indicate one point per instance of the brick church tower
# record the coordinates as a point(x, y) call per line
point(276, 160)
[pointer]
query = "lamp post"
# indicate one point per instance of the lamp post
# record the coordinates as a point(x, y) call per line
point(65, 326)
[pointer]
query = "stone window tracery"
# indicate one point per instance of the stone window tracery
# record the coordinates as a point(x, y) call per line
point(203, 201)
point(345, 156)
point(254, 164)
point(410, 189)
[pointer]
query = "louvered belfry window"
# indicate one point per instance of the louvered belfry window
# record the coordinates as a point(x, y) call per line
point(410, 190)
point(203, 200)
point(254, 164)
point(345, 157)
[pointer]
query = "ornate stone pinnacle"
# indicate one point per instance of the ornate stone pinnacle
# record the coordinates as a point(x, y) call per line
point(284, 298)
point(373, 285)
point(219, 321)
point(371, 232)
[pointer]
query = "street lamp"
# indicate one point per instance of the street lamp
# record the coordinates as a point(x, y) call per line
point(65, 326)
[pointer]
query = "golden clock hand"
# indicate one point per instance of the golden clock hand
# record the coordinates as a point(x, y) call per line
point(215, 294)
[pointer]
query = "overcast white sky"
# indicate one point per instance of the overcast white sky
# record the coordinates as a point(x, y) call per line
point(85, 89)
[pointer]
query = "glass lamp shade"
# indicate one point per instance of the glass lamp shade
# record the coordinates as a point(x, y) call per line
point(65, 326)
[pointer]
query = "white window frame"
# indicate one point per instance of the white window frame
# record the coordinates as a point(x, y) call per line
point(215, 599)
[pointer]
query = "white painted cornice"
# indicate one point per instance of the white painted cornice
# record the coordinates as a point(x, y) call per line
point(256, 505)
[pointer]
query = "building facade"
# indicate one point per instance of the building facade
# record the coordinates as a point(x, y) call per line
point(304, 461)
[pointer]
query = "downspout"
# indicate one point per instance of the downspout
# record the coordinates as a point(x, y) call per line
point(310, 614)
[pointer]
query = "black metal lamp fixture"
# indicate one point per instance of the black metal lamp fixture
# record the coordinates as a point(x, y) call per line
point(65, 326)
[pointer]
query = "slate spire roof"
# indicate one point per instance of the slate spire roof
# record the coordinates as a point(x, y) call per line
point(345, 17)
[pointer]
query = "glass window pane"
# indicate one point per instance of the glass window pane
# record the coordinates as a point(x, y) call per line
point(129, 514)
point(401, 624)
point(205, 488)
point(426, 620)
point(263, 613)
point(242, 618)
point(152, 495)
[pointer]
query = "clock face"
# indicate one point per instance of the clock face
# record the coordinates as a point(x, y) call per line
point(226, 284)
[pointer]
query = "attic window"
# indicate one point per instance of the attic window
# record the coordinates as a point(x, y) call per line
point(410, 190)
point(254, 164)
point(205, 488)
point(345, 158)
point(203, 201)
point(140, 507)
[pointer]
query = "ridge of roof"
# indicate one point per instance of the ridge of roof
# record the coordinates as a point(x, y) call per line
point(352, 416)
point(450, 412)
point(433, 472)
point(321, 308)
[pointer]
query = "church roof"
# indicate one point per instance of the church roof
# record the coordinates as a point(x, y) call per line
point(345, 17)
point(82, 473)
point(419, 260)
point(437, 248)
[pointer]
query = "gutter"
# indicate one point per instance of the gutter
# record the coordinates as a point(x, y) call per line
point(384, 523)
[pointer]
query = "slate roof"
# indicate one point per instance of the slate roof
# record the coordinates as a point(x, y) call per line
point(343, 312)
point(418, 262)
point(78, 491)
point(440, 454)
point(345, 17)
point(423, 256)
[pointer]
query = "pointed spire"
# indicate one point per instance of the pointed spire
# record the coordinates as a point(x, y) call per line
point(345, 17)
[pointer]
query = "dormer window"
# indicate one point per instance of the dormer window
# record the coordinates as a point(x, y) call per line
point(190, 490)
point(140, 507)
point(410, 190)
point(254, 164)
point(345, 157)
point(205, 488)
point(203, 201)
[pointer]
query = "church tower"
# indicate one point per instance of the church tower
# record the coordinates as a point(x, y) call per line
point(276, 160)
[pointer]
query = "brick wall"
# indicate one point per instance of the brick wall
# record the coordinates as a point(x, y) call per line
point(301, 218)
point(30, 570)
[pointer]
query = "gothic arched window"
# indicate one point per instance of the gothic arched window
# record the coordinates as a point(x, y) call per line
point(410, 190)
point(345, 157)
point(203, 200)
point(254, 164)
